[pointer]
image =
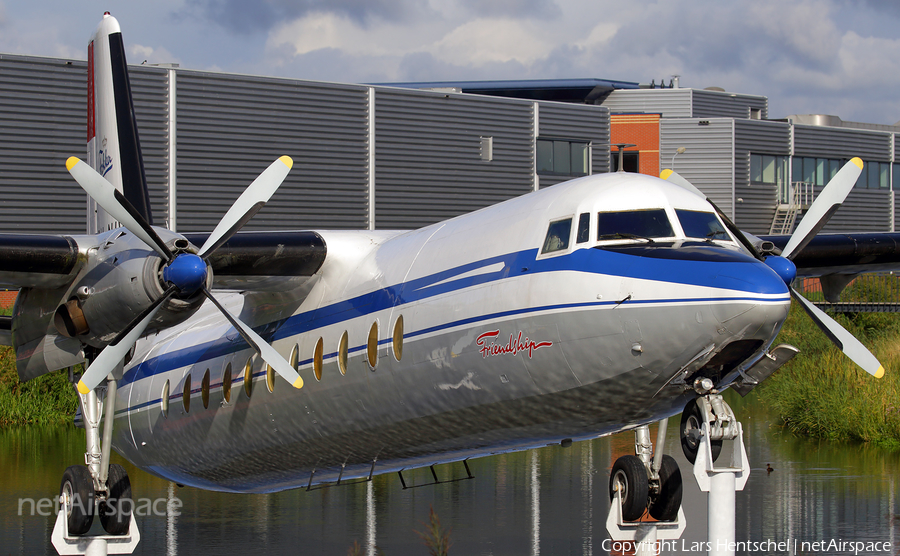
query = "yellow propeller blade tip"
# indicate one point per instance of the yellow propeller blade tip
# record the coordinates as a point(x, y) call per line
point(880, 372)
point(287, 161)
point(298, 383)
point(82, 387)
point(665, 174)
point(858, 161)
point(72, 161)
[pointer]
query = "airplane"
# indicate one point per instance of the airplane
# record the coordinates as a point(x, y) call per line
point(598, 305)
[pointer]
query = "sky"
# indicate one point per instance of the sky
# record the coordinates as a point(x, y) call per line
point(839, 57)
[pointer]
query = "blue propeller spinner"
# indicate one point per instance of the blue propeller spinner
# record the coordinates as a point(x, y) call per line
point(187, 272)
point(783, 267)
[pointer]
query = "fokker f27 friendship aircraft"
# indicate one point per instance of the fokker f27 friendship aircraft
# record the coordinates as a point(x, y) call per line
point(598, 305)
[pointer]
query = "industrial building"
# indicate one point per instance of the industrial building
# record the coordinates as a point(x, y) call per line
point(407, 155)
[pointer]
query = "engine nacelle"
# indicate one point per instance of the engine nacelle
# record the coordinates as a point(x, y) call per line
point(122, 278)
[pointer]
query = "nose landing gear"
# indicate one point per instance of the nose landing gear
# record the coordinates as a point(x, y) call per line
point(649, 481)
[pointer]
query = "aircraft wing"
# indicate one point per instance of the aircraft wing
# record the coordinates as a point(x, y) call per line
point(850, 254)
point(28, 261)
point(264, 260)
point(39, 261)
point(47, 269)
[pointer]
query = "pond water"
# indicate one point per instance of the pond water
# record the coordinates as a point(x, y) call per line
point(551, 501)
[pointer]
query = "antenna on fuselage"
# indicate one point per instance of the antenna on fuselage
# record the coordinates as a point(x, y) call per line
point(622, 147)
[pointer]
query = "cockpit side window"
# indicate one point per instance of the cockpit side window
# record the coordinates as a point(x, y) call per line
point(557, 236)
point(634, 224)
point(701, 224)
point(584, 228)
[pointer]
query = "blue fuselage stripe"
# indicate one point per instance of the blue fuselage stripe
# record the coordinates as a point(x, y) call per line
point(742, 273)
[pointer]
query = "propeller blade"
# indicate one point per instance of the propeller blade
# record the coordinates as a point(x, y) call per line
point(115, 204)
point(844, 340)
point(823, 207)
point(248, 204)
point(113, 354)
point(674, 177)
point(677, 179)
point(267, 352)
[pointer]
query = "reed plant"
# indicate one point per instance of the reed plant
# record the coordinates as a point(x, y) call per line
point(47, 400)
point(822, 394)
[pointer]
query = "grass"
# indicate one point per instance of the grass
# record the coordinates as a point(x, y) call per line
point(822, 394)
point(46, 400)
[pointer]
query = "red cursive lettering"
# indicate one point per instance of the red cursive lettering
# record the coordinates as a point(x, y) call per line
point(514, 346)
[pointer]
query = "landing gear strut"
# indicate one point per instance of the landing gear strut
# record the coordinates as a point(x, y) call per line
point(636, 482)
point(712, 410)
point(110, 483)
point(97, 487)
point(649, 481)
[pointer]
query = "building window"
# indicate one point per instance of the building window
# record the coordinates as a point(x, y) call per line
point(563, 157)
point(767, 169)
point(819, 171)
point(630, 161)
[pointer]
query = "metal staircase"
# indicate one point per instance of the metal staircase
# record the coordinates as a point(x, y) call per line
point(797, 197)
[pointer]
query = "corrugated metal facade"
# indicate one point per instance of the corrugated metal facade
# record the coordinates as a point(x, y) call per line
point(670, 103)
point(686, 103)
point(382, 157)
point(840, 142)
point(755, 204)
point(716, 104)
point(42, 123)
point(231, 127)
point(576, 122)
point(864, 210)
point(708, 158)
point(428, 155)
point(150, 93)
point(416, 154)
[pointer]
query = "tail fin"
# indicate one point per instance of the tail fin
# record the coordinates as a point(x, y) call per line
point(113, 146)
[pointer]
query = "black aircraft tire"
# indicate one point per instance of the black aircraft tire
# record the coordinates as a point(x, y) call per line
point(665, 506)
point(78, 487)
point(630, 473)
point(691, 419)
point(115, 512)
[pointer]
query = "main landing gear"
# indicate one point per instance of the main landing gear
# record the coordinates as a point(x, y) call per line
point(97, 488)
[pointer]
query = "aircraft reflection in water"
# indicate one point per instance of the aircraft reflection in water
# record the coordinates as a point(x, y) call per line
point(816, 492)
point(600, 304)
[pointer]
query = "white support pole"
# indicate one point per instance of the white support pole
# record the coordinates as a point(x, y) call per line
point(721, 483)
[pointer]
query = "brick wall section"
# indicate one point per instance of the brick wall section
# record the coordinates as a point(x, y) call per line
point(7, 298)
point(643, 131)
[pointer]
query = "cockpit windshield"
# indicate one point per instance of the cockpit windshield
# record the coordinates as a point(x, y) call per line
point(701, 225)
point(630, 224)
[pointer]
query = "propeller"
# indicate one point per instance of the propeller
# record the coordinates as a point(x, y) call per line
point(814, 220)
point(186, 272)
point(670, 175)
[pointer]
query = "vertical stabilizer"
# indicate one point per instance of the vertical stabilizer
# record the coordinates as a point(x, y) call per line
point(113, 147)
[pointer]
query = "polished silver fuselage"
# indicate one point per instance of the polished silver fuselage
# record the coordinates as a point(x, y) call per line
point(503, 348)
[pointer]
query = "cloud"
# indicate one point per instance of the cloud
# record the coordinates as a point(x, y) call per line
point(483, 41)
point(253, 16)
point(138, 54)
